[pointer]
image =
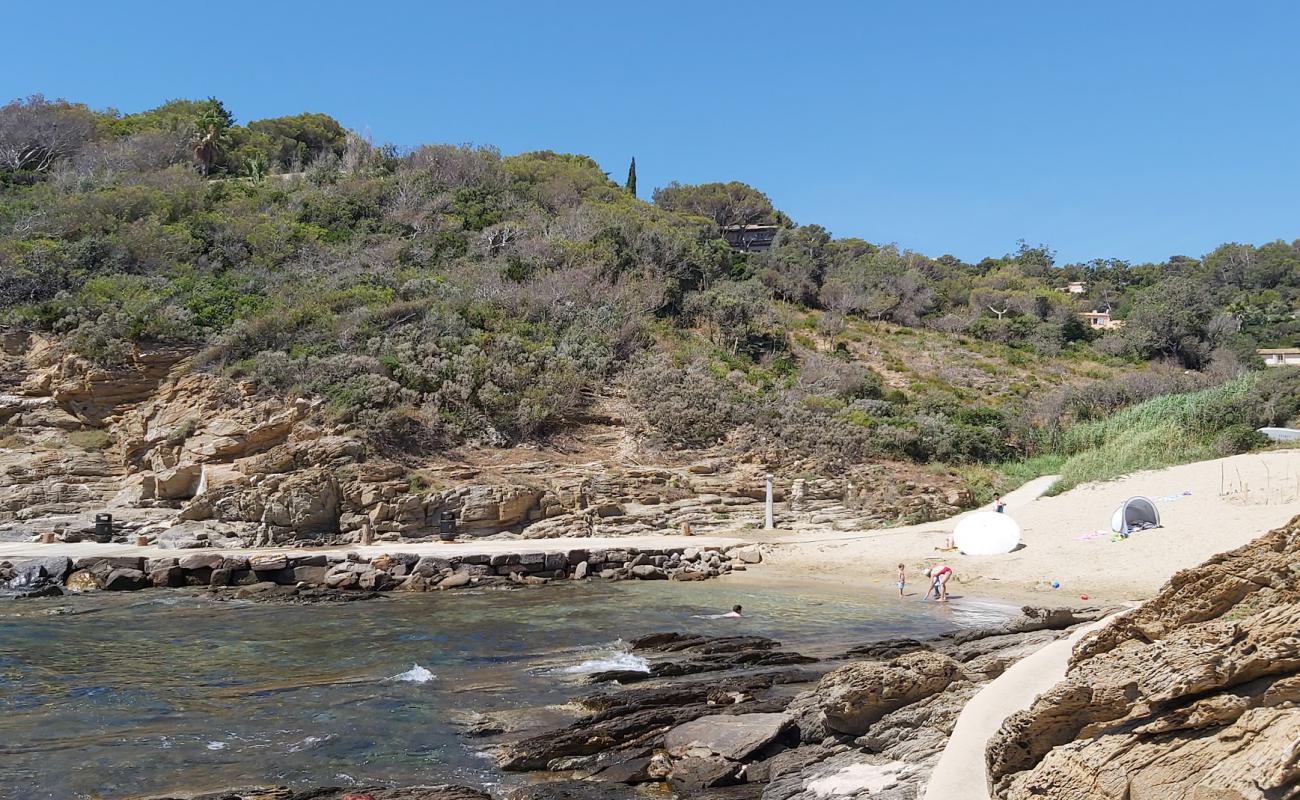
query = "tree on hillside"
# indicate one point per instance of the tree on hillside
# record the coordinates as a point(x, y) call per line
point(631, 178)
point(793, 268)
point(35, 132)
point(733, 203)
point(211, 133)
point(559, 180)
point(297, 140)
point(1171, 319)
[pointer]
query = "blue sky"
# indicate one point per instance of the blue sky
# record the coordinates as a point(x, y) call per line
point(1131, 130)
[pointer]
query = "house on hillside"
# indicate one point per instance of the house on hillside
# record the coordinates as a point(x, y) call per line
point(750, 238)
point(1073, 287)
point(1280, 356)
point(1101, 321)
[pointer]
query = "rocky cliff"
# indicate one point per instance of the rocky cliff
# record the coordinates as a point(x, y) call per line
point(1196, 694)
point(191, 459)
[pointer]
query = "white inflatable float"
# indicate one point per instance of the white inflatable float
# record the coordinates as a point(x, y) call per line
point(986, 533)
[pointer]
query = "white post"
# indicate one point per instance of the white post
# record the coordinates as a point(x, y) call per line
point(768, 523)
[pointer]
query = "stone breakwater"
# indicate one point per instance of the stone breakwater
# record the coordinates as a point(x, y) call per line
point(280, 574)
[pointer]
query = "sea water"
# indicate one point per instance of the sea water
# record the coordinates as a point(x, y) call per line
point(120, 695)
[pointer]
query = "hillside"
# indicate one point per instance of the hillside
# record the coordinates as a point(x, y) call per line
point(171, 279)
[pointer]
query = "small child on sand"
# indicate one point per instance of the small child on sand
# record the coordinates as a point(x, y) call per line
point(902, 580)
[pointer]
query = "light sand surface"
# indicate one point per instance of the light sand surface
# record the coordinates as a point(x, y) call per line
point(23, 550)
point(1205, 508)
point(962, 772)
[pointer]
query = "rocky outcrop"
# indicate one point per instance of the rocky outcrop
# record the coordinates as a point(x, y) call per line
point(855, 697)
point(1196, 694)
point(156, 433)
point(866, 725)
point(93, 394)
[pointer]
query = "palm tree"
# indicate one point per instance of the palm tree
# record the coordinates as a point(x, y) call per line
point(211, 134)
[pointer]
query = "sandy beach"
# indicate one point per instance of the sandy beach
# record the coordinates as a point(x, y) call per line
point(1206, 508)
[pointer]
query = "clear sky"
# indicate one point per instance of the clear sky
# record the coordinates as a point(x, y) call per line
point(1134, 130)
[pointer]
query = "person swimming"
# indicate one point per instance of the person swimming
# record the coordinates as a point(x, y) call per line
point(732, 614)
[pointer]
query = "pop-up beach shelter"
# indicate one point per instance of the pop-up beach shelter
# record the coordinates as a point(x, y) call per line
point(1137, 513)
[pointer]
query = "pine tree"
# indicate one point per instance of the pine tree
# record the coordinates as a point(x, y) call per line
point(631, 178)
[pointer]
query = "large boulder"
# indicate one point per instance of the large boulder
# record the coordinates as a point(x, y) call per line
point(489, 509)
point(734, 737)
point(306, 502)
point(125, 579)
point(177, 483)
point(854, 697)
point(303, 504)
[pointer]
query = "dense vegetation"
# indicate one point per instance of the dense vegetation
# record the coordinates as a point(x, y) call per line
point(448, 294)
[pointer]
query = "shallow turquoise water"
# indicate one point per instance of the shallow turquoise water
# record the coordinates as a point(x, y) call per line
point(163, 691)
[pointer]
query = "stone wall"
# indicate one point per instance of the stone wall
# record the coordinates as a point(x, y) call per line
point(258, 574)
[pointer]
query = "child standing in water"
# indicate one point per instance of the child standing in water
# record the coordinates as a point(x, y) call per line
point(902, 580)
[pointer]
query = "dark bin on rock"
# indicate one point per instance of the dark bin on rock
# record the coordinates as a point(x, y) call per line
point(447, 525)
point(103, 528)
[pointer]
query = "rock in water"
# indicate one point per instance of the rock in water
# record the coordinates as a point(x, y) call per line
point(40, 572)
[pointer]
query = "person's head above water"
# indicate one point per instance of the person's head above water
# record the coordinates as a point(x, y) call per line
point(735, 609)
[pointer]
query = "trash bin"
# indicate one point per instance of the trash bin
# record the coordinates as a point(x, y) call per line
point(103, 528)
point(447, 526)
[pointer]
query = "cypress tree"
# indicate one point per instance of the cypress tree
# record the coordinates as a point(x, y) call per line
point(631, 178)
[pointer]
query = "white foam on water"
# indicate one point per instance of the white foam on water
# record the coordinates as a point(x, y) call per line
point(216, 745)
point(621, 660)
point(308, 742)
point(416, 674)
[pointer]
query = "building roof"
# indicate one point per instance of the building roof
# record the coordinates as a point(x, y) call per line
point(1278, 351)
point(750, 227)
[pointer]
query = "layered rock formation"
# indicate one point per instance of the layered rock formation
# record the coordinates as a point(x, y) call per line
point(1196, 694)
point(156, 436)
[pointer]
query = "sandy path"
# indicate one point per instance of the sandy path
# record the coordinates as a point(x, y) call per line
point(962, 773)
point(1206, 508)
